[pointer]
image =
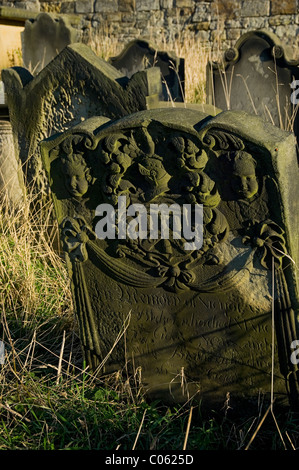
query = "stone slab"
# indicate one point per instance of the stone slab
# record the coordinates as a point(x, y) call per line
point(195, 323)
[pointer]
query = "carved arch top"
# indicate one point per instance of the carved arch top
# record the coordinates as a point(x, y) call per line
point(228, 164)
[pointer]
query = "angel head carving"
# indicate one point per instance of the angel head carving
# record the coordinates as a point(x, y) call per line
point(243, 174)
point(76, 173)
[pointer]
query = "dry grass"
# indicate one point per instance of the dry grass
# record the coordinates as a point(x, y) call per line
point(33, 278)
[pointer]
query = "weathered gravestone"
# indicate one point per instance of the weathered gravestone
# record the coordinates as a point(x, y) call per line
point(255, 76)
point(74, 86)
point(200, 317)
point(139, 55)
point(43, 38)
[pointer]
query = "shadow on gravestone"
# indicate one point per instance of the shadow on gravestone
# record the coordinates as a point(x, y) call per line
point(255, 76)
point(74, 86)
point(43, 38)
point(202, 316)
point(140, 55)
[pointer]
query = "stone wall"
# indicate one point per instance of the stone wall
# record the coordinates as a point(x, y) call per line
point(154, 19)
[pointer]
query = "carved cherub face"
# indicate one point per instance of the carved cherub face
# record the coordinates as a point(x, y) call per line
point(244, 181)
point(76, 175)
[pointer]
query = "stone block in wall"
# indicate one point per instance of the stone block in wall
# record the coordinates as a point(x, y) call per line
point(255, 8)
point(214, 24)
point(226, 9)
point(103, 5)
point(202, 12)
point(147, 5)
point(84, 6)
point(232, 23)
point(67, 7)
point(275, 20)
point(31, 6)
point(203, 26)
point(283, 7)
point(114, 17)
point(290, 32)
point(217, 35)
point(233, 33)
point(129, 18)
point(126, 5)
point(166, 4)
point(183, 3)
point(257, 22)
point(50, 7)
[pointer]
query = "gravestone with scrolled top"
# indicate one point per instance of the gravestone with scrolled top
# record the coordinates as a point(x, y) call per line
point(255, 76)
point(194, 318)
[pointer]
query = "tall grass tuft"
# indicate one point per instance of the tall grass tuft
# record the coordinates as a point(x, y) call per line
point(34, 284)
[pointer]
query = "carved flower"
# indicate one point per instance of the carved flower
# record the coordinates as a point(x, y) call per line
point(74, 238)
point(176, 279)
point(267, 237)
point(188, 154)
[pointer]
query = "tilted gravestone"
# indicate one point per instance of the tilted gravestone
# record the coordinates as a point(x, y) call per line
point(43, 38)
point(196, 319)
point(76, 85)
point(255, 76)
point(139, 55)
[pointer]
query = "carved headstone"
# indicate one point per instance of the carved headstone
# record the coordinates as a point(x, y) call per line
point(195, 319)
point(255, 76)
point(75, 86)
point(139, 55)
point(43, 38)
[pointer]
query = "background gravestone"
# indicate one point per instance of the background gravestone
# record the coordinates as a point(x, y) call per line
point(255, 76)
point(139, 55)
point(43, 38)
point(74, 86)
point(199, 321)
